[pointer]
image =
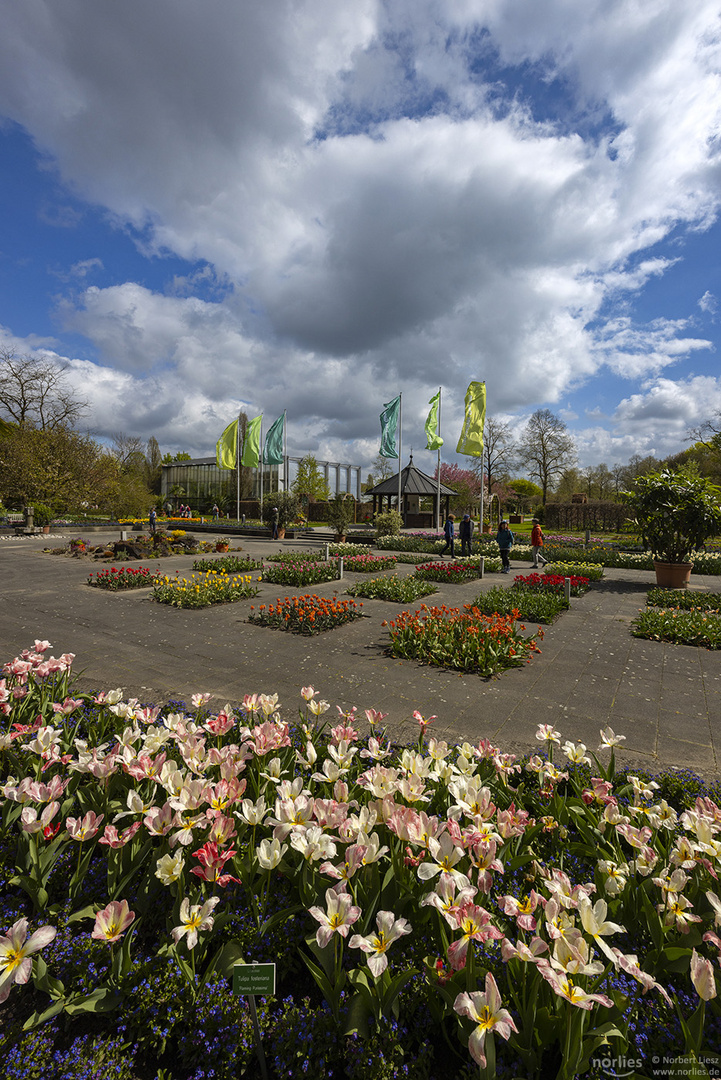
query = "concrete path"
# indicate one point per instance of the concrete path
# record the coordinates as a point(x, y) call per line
point(591, 673)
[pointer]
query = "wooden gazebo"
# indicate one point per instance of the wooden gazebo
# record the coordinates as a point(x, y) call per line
point(414, 486)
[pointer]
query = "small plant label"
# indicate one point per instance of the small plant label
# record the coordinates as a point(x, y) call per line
point(254, 980)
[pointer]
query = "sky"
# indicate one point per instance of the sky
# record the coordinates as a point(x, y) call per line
point(315, 205)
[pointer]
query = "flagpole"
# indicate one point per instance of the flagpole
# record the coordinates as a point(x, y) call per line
point(438, 494)
point(285, 450)
point(237, 469)
point(483, 454)
point(260, 462)
point(400, 446)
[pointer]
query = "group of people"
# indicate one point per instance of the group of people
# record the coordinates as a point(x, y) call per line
point(504, 538)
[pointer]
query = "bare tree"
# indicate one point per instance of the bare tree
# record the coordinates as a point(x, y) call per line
point(34, 394)
point(130, 452)
point(382, 468)
point(499, 450)
point(546, 448)
point(153, 465)
point(709, 432)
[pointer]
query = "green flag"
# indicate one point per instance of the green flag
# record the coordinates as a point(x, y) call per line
point(471, 440)
point(389, 426)
point(226, 448)
point(251, 446)
point(273, 453)
point(433, 438)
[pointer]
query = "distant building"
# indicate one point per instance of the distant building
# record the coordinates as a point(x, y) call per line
point(200, 483)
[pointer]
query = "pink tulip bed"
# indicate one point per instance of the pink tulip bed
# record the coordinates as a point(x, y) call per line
point(434, 911)
point(448, 573)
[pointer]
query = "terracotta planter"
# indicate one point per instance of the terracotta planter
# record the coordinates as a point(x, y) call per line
point(281, 533)
point(671, 575)
point(46, 529)
point(339, 538)
point(487, 529)
point(221, 547)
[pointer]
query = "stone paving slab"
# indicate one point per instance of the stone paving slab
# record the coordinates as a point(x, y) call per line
point(591, 673)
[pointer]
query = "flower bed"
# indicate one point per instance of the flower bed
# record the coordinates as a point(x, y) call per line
point(202, 590)
point(407, 558)
point(607, 555)
point(694, 627)
point(396, 589)
point(535, 605)
point(683, 598)
point(308, 614)
point(301, 574)
point(294, 557)
point(230, 564)
point(464, 639)
point(552, 583)
point(419, 543)
point(449, 573)
point(347, 549)
point(144, 852)
point(591, 571)
point(128, 577)
point(368, 564)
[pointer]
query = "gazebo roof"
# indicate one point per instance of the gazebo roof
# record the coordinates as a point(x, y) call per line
point(413, 482)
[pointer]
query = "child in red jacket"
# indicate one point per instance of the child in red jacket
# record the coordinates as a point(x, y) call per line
point(537, 544)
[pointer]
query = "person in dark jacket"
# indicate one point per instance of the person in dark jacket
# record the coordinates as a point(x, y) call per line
point(449, 533)
point(504, 539)
point(465, 531)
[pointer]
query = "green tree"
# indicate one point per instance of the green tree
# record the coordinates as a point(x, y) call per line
point(285, 502)
point(341, 513)
point(62, 468)
point(706, 455)
point(524, 492)
point(168, 458)
point(546, 448)
point(570, 482)
point(310, 481)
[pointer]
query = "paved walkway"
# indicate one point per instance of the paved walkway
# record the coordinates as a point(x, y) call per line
point(665, 699)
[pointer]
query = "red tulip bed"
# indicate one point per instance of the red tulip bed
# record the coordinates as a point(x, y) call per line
point(127, 577)
point(554, 583)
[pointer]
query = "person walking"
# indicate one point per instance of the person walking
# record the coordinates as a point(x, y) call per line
point(537, 544)
point(449, 533)
point(274, 518)
point(216, 511)
point(152, 518)
point(505, 541)
point(465, 531)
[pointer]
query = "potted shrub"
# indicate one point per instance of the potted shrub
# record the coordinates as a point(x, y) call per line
point(42, 516)
point(675, 513)
point(341, 514)
point(287, 504)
